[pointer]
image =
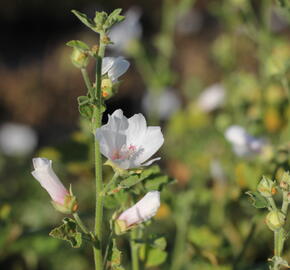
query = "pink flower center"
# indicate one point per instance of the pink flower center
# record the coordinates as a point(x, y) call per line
point(126, 152)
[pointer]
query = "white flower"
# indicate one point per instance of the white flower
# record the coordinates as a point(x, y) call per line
point(163, 104)
point(17, 139)
point(126, 31)
point(45, 175)
point(212, 98)
point(129, 142)
point(142, 211)
point(243, 143)
point(114, 67)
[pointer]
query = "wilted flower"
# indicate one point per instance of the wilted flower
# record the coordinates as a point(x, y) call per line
point(164, 103)
point(17, 139)
point(142, 211)
point(243, 143)
point(212, 98)
point(114, 67)
point(128, 143)
point(44, 174)
point(126, 31)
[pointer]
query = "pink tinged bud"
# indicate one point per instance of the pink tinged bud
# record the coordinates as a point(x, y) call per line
point(45, 175)
point(142, 211)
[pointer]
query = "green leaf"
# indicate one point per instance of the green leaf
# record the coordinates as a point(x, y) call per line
point(258, 201)
point(130, 181)
point(153, 256)
point(86, 110)
point(84, 19)
point(113, 18)
point(83, 100)
point(114, 257)
point(157, 181)
point(83, 47)
point(100, 19)
point(68, 232)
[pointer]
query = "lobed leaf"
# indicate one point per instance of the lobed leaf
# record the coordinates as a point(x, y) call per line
point(68, 232)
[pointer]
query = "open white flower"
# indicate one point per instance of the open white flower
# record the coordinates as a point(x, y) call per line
point(129, 142)
point(140, 212)
point(212, 98)
point(243, 143)
point(114, 67)
point(45, 175)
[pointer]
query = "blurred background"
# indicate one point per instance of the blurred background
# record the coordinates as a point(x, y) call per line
point(213, 73)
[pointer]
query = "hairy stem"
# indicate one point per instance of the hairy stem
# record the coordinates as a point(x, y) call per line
point(97, 121)
point(134, 249)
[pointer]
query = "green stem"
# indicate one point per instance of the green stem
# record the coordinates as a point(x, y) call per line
point(97, 121)
point(87, 82)
point(134, 249)
point(272, 203)
point(285, 203)
point(80, 223)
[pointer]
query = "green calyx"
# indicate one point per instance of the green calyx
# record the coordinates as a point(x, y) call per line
point(79, 59)
point(69, 206)
point(267, 187)
point(275, 220)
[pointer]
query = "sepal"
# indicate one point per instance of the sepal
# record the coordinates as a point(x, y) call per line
point(69, 206)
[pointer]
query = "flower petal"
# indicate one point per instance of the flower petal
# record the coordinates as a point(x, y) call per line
point(152, 141)
point(119, 67)
point(45, 175)
point(107, 63)
point(149, 162)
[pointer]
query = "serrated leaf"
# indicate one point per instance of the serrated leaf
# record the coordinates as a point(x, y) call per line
point(258, 201)
point(80, 45)
point(84, 19)
point(114, 257)
point(68, 232)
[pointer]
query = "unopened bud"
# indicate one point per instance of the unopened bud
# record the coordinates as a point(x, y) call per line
point(275, 220)
point(79, 59)
point(107, 88)
point(266, 187)
point(106, 40)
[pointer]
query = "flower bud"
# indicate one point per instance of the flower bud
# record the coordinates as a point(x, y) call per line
point(266, 187)
point(79, 59)
point(107, 88)
point(142, 211)
point(275, 220)
point(62, 200)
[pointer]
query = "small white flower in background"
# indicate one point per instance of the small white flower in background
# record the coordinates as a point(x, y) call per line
point(164, 104)
point(114, 67)
point(140, 212)
point(212, 98)
point(242, 142)
point(217, 172)
point(123, 33)
point(128, 143)
point(17, 139)
point(45, 175)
